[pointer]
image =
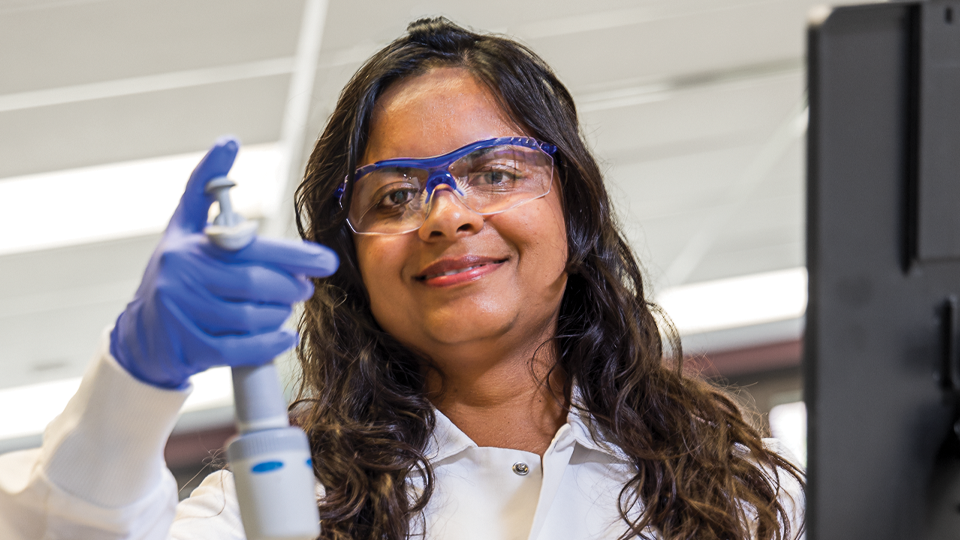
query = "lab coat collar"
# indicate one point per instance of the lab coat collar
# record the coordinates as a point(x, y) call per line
point(448, 440)
point(580, 429)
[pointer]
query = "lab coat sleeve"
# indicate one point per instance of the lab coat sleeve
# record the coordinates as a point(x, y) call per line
point(100, 474)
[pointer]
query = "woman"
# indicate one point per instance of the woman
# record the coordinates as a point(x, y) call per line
point(560, 323)
point(484, 363)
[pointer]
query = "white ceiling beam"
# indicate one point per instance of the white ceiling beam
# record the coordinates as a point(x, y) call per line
point(293, 130)
point(149, 83)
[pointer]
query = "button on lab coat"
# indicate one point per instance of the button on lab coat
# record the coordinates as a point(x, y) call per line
point(100, 475)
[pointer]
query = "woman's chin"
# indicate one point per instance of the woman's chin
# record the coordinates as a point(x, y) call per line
point(467, 333)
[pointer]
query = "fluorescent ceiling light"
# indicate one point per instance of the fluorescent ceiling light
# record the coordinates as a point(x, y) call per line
point(118, 200)
point(38, 404)
point(735, 302)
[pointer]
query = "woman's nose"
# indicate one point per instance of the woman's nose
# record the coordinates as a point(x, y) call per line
point(448, 217)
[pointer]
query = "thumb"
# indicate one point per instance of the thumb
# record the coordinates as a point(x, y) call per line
point(191, 214)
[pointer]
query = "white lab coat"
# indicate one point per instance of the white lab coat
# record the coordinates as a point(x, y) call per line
point(100, 475)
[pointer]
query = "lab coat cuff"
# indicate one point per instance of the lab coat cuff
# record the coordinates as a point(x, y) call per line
point(107, 445)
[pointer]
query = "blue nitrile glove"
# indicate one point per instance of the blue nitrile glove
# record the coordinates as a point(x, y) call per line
point(200, 306)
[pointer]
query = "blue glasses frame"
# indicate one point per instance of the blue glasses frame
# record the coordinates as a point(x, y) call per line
point(438, 167)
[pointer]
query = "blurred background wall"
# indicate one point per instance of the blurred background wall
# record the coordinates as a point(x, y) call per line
point(695, 108)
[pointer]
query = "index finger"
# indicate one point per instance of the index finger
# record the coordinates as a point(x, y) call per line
point(191, 213)
point(295, 256)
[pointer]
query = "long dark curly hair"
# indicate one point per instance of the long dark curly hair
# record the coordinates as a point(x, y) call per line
point(701, 470)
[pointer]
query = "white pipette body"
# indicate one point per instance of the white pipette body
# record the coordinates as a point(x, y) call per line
point(271, 461)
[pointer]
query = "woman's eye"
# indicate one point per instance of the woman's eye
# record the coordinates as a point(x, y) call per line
point(398, 197)
point(494, 177)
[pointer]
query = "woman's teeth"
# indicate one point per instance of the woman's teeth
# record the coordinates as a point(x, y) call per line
point(452, 272)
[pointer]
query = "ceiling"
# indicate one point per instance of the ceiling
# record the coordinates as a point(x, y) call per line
point(695, 109)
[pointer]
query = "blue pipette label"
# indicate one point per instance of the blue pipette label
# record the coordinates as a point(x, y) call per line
point(267, 466)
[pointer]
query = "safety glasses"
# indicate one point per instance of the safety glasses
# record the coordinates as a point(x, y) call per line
point(491, 176)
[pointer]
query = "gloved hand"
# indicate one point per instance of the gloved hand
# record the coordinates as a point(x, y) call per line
point(200, 306)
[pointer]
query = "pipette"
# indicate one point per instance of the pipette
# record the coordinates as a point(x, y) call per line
point(271, 461)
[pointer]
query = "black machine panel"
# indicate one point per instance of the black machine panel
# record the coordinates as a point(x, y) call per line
point(881, 345)
point(938, 140)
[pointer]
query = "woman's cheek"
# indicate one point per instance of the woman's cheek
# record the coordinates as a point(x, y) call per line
point(381, 267)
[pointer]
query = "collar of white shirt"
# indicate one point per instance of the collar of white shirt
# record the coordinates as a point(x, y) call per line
point(447, 440)
point(484, 492)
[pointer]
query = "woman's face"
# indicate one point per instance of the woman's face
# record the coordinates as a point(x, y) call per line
point(509, 280)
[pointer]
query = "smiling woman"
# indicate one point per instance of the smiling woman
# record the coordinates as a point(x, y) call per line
point(432, 352)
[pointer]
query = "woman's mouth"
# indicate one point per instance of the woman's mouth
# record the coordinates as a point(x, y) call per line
point(449, 272)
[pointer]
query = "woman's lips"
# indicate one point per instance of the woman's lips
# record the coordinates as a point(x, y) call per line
point(448, 272)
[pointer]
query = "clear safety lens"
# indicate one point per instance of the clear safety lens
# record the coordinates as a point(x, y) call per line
point(394, 200)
